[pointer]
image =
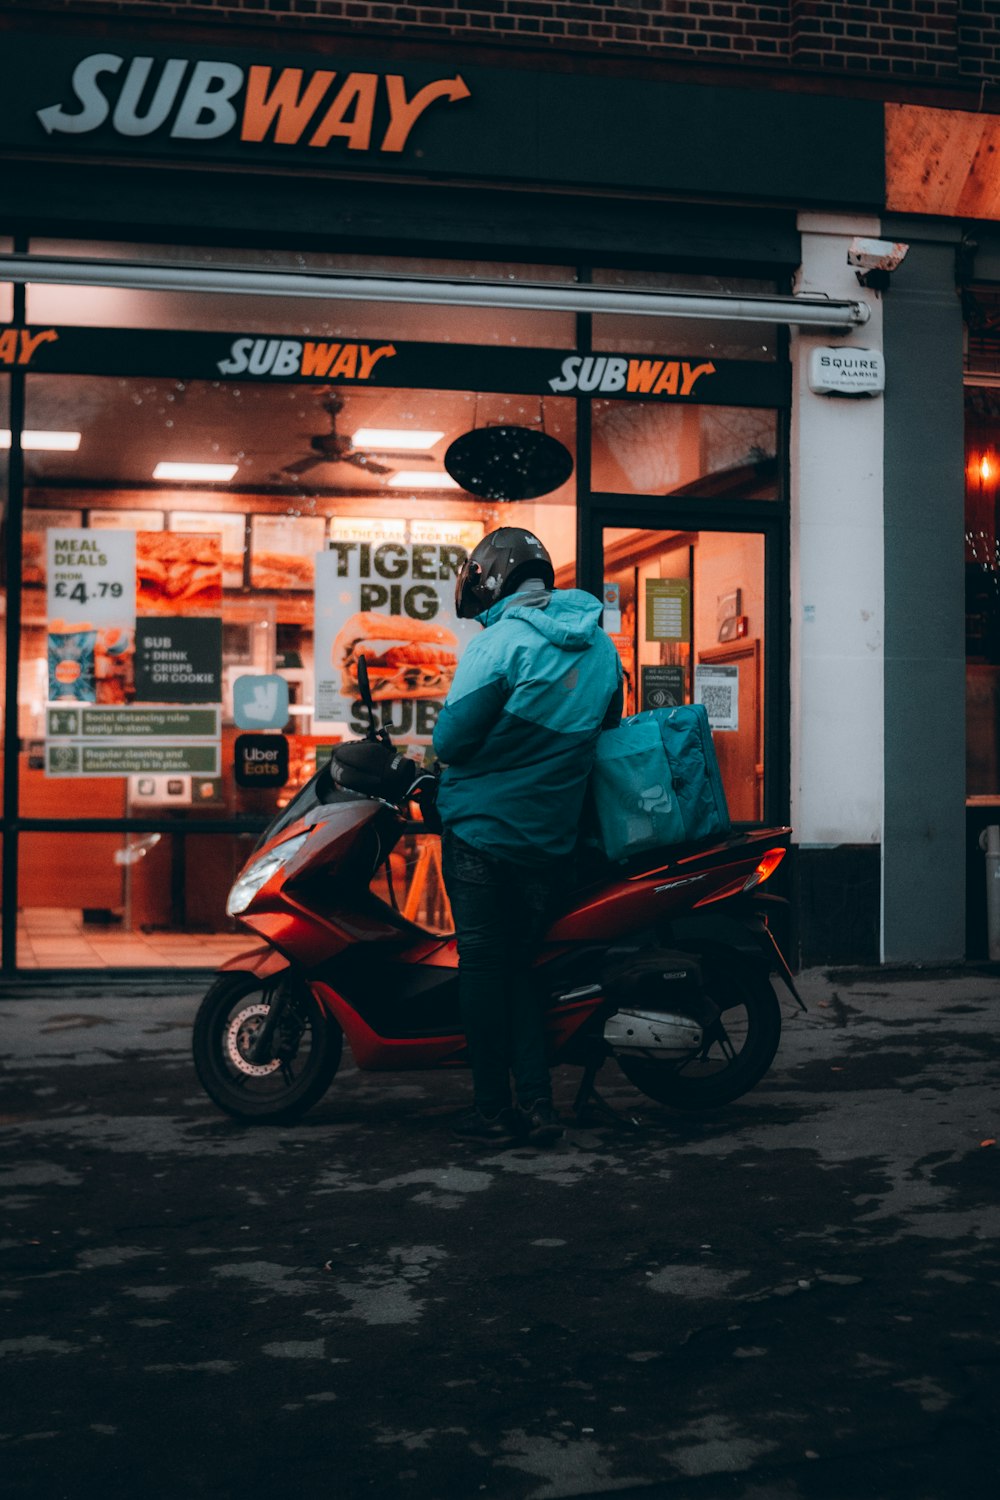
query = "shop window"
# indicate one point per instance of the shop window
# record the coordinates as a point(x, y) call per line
point(124, 308)
point(705, 338)
point(982, 591)
point(220, 577)
point(4, 470)
point(127, 900)
point(647, 448)
point(686, 611)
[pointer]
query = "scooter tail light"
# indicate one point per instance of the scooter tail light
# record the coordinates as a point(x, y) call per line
point(766, 868)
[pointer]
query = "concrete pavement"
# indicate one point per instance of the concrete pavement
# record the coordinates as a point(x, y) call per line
point(795, 1299)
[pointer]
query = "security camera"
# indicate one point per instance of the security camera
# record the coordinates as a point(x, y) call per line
point(875, 260)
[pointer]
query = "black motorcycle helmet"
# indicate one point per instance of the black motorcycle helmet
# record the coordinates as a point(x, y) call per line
point(497, 566)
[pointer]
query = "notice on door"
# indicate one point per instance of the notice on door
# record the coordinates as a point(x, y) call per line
point(663, 687)
point(718, 688)
point(668, 609)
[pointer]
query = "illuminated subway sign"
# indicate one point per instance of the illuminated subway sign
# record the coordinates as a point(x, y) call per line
point(306, 357)
point(648, 377)
point(208, 100)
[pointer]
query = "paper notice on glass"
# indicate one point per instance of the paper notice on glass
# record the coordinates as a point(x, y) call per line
point(90, 577)
point(718, 688)
point(394, 604)
point(367, 529)
point(668, 609)
point(90, 595)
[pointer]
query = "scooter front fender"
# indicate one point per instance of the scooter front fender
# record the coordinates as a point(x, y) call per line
point(262, 961)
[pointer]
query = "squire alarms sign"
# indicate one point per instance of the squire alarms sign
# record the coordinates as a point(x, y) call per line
point(181, 99)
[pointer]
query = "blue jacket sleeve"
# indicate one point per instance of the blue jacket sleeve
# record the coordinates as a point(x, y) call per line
point(472, 708)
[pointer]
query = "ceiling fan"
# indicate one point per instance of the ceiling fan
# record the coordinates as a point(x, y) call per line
point(333, 447)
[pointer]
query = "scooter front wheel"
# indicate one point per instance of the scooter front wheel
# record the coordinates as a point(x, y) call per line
point(302, 1059)
point(737, 1050)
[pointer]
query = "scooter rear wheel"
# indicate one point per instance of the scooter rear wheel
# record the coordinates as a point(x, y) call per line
point(305, 1053)
point(737, 1052)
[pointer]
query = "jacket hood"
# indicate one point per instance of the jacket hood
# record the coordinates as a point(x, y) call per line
point(570, 618)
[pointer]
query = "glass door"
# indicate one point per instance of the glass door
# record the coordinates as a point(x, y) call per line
point(693, 612)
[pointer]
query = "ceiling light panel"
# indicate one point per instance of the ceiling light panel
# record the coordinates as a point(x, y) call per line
point(422, 479)
point(44, 442)
point(397, 439)
point(217, 472)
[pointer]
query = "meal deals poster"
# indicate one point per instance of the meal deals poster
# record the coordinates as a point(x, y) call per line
point(134, 653)
point(394, 603)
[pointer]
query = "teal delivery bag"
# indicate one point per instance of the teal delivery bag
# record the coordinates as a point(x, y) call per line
point(656, 781)
point(633, 789)
point(687, 740)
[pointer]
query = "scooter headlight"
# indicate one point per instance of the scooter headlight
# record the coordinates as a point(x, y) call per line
point(260, 872)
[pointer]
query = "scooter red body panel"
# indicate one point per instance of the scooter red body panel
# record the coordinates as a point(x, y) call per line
point(391, 987)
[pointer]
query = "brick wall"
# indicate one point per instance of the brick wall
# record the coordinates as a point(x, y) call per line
point(943, 42)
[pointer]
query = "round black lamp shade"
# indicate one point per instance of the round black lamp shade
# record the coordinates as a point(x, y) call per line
point(508, 463)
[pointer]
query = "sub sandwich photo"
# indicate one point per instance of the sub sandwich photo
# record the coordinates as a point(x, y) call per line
point(406, 658)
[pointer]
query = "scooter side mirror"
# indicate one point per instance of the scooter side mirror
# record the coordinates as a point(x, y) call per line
point(364, 688)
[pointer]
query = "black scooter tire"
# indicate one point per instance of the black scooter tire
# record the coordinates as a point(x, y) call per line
point(218, 1079)
point(731, 986)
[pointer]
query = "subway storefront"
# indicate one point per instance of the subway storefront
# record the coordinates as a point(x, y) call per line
point(244, 449)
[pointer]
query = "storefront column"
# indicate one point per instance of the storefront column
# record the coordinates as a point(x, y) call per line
point(924, 840)
point(837, 606)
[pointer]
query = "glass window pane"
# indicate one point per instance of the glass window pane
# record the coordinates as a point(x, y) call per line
point(307, 474)
point(4, 469)
point(645, 448)
point(122, 308)
point(982, 592)
point(100, 900)
point(686, 611)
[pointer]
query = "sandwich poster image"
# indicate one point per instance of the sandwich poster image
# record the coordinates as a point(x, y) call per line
point(394, 604)
point(177, 573)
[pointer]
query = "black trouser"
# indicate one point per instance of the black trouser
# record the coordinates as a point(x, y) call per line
point(500, 911)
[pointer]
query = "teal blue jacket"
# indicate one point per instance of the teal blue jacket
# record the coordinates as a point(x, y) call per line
point(518, 729)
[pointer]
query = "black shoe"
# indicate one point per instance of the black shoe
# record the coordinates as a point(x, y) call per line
point(542, 1125)
point(474, 1125)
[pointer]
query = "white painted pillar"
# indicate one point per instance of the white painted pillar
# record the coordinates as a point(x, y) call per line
point(837, 572)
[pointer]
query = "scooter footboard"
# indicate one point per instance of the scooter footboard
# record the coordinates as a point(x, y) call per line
point(375, 1053)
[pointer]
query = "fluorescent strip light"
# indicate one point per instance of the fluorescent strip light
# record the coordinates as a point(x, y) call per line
point(194, 471)
point(390, 437)
point(44, 442)
point(420, 479)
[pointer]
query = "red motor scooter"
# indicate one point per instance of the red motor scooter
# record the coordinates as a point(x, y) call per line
point(663, 964)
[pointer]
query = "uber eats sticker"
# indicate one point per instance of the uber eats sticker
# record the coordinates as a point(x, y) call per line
point(394, 604)
point(261, 760)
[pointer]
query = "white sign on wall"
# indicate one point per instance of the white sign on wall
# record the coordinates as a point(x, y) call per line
point(846, 372)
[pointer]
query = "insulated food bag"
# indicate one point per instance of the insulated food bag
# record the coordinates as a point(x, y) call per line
point(656, 781)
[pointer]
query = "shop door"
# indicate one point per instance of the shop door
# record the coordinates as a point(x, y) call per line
point(692, 610)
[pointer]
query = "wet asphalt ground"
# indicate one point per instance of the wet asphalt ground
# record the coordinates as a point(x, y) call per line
point(794, 1299)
